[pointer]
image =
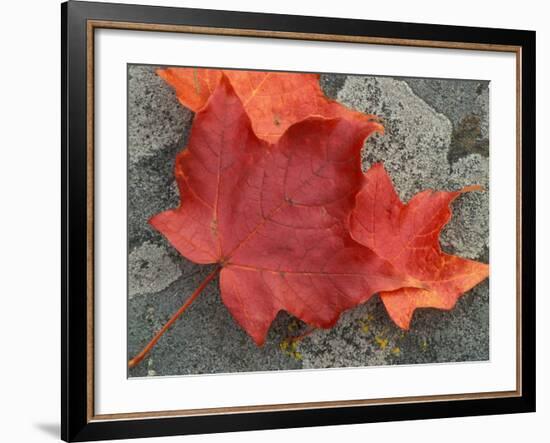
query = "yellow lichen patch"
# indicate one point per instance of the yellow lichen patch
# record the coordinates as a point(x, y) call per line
point(364, 323)
point(292, 326)
point(396, 351)
point(283, 345)
point(424, 345)
point(381, 341)
point(290, 347)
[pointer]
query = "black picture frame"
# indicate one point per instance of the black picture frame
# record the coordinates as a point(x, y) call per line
point(77, 423)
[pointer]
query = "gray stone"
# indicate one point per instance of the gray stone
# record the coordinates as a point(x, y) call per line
point(155, 120)
point(332, 83)
point(432, 140)
point(466, 104)
point(157, 130)
point(467, 234)
point(206, 339)
point(151, 269)
point(414, 146)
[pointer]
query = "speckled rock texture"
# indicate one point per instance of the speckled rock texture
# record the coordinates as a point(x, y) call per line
point(437, 136)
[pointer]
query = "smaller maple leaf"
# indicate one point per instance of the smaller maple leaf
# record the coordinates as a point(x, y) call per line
point(407, 235)
point(274, 101)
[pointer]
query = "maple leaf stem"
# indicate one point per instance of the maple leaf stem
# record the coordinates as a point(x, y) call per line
point(139, 357)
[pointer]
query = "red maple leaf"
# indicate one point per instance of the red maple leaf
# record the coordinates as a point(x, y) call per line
point(408, 237)
point(273, 100)
point(274, 217)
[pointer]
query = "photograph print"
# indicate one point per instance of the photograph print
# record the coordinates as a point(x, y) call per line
point(296, 220)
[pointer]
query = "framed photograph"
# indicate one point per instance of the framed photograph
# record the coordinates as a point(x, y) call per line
point(277, 221)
